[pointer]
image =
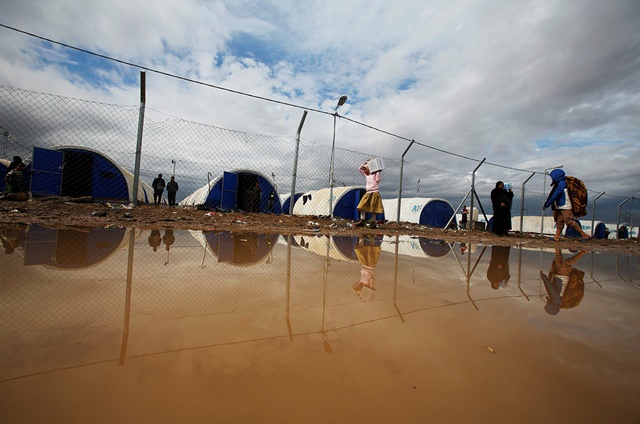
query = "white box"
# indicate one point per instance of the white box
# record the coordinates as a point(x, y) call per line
point(375, 164)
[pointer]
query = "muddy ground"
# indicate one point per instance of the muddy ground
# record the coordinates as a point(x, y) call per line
point(77, 213)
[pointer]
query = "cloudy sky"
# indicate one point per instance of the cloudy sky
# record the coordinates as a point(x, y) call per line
point(527, 84)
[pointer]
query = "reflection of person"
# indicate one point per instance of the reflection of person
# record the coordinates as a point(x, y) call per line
point(367, 252)
point(168, 239)
point(12, 237)
point(172, 189)
point(155, 239)
point(371, 201)
point(561, 204)
point(158, 186)
point(465, 214)
point(498, 272)
point(501, 200)
point(564, 284)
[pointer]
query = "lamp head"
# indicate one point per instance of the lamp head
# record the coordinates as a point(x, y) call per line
point(341, 101)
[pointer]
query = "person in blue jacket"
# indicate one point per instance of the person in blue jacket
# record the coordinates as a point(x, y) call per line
point(561, 205)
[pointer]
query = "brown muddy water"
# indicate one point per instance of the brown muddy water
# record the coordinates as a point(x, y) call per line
point(122, 325)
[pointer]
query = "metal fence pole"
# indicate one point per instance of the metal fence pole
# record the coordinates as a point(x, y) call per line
point(619, 206)
point(522, 202)
point(292, 198)
point(473, 191)
point(136, 173)
point(593, 213)
point(401, 177)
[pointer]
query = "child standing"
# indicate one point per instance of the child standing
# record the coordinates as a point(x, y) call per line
point(371, 202)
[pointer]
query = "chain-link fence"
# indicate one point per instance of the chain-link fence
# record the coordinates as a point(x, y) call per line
point(76, 148)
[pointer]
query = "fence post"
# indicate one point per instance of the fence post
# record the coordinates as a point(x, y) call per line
point(136, 173)
point(593, 214)
point(522, 203)
point(292, 198)
point(401, 177)
point(473, 191)
point(619, 206)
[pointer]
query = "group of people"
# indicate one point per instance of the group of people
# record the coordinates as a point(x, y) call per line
point(559, 200)
point(159, 186)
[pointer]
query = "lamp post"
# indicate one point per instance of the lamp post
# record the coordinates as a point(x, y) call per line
point(341, 101)
point(544, 189)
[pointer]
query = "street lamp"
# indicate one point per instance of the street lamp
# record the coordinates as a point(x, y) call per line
point(341, 101)
point(544, 189)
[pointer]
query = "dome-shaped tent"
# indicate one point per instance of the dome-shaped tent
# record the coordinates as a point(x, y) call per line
point(233, 190)
point(79, 171)
point(571, 233)
point(420, 210)
point(600, 232)
point(316, 202)
point(285, 200)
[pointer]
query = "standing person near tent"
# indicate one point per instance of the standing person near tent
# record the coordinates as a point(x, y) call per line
point(465, 214)
point(158, 187)
point(14, 184)
point(172, 189)
point(371, 201)
point(561, 205)
point(501, 201)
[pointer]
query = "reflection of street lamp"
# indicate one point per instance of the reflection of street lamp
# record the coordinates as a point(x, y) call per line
point(544, 189)
point(341, 101)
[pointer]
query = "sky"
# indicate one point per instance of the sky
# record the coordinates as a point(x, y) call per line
point(525, 84)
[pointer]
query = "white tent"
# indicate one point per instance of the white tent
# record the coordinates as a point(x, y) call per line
point(316, 202)
point(420, 210)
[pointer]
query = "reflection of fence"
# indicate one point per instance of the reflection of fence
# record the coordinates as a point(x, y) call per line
point(193, 274)
point(199, 154)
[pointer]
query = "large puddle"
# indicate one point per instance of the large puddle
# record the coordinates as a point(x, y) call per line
point(124, 325)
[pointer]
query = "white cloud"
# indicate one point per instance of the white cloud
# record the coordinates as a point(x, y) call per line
point(479, 78)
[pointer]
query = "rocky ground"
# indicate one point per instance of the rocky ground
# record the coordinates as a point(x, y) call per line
point(60, 212)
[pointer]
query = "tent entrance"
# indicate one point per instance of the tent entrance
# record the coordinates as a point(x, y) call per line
point(77, 175)
point(249, 198)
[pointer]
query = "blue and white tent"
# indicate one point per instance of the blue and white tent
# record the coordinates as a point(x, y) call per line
point(229, 192)
point(420, 210)
point(80, 171)
point(316, 202)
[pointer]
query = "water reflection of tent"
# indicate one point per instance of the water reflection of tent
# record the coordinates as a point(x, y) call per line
point(230, 191)
point(80, 171)
point(340, 247)
point(316, 202)
point(418, 247)
point(72, 249)
point(240, 248)
point(420, 210)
